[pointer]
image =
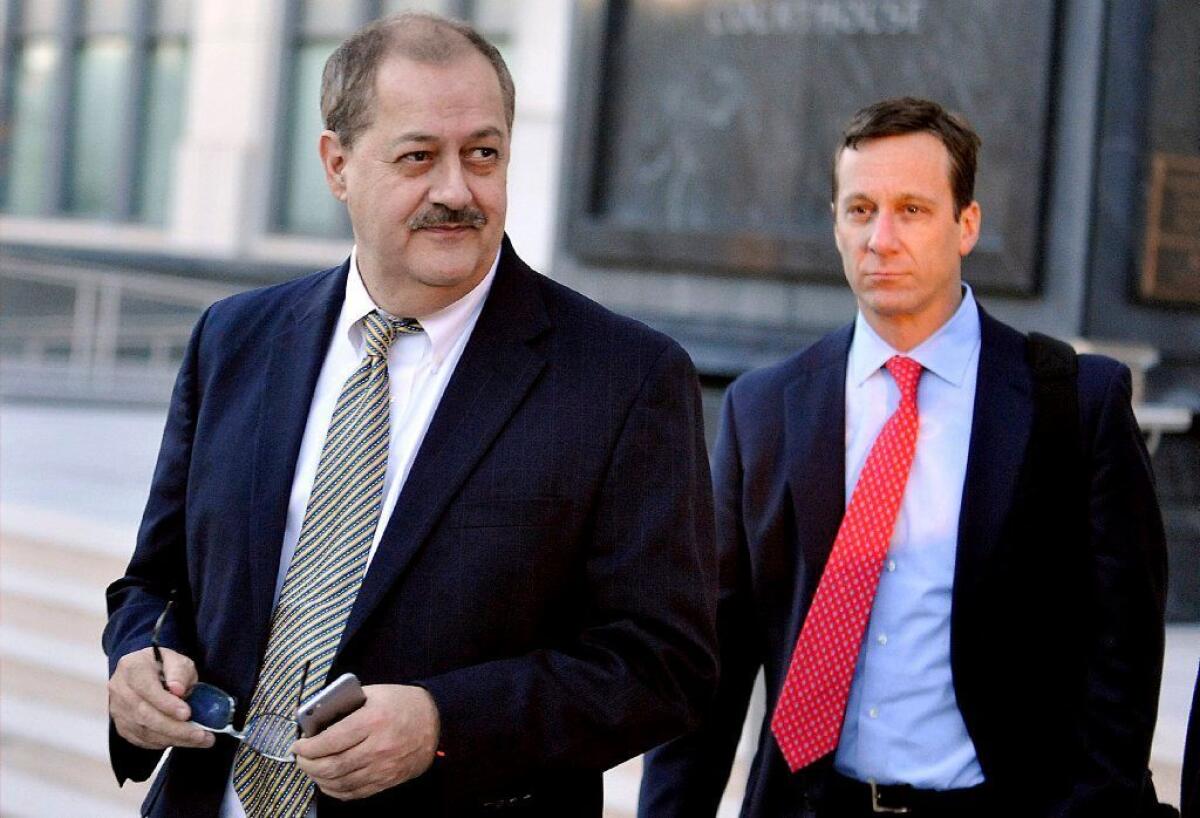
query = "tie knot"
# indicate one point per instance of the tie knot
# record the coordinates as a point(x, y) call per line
point(906, 373)
point(379, 331)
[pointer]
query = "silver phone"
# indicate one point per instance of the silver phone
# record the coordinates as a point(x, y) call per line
point(334, 702)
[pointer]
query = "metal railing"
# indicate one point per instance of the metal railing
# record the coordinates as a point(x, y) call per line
point(89, 332)
point(1155, 419)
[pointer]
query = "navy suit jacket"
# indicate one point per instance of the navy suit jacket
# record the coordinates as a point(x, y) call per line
point(1056, 623)
point(548, 573)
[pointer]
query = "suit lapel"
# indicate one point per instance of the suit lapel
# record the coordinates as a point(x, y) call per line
point(293, 363)
point(496, 370)
point(1000, 430)
point(815, 435)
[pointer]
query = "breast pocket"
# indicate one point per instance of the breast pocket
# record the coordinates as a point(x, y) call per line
point(512, 561)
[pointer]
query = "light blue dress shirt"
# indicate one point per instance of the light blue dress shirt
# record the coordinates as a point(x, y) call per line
point(902, 724)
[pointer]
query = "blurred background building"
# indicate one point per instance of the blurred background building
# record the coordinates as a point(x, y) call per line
point(670, 159)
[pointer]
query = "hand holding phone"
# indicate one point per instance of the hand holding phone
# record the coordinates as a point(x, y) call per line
point(336, 701)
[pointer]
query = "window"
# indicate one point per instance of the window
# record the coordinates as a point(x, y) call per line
point(36, 67)
point(100, 87)
point(162, 123)
point(96, 106)
point(309, 206)
point(304, 204)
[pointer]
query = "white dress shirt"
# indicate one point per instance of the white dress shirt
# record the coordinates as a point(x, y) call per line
point(419, 367)
point(902, 723)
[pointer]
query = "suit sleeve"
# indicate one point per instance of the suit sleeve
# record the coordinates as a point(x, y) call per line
point(687, 777)
point(158, 565)
point(641, 665)
point(1127, 565)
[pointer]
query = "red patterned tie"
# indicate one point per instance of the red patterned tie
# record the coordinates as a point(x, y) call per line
point(808, 716)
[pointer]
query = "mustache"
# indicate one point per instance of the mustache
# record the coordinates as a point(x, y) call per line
point(442, 216)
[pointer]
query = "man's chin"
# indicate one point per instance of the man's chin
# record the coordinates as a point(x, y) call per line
point(452, 277)
point(887, 302)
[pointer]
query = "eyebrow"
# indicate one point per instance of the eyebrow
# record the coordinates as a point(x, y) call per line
point(484, 133)
point(420, 136)
point(917, 197)
point(851, 196)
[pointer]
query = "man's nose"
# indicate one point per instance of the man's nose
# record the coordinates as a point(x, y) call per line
point(883, 237)
point(449, 186)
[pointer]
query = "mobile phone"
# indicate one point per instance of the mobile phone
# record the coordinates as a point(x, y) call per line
point(336, 701)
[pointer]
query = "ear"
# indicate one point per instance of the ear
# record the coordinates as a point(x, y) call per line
point(333, 159)
point(969, 222)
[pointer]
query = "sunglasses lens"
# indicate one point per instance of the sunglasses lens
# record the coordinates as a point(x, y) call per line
point(211, 706)
point(272, 736)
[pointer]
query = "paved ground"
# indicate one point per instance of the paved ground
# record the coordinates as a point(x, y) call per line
point(86, 469)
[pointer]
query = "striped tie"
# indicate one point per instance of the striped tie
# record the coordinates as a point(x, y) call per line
point(326, 570)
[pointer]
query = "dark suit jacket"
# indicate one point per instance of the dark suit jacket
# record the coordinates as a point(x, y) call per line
point(548, 573)
point(1056, 638)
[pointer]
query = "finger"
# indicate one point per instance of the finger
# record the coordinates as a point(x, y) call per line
point(136, 680)
point(143, 712)
point(141, 675)
point(334, 768)
point(143, 724)
point(356, 783)
point(347, 790)
point(336, 738)
point(179, 671)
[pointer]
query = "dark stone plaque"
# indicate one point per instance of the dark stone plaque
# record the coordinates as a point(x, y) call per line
point(705, 130)
point(1171, 269)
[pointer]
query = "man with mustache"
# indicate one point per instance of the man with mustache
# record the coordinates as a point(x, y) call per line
point(939, 539)
point(483, 494)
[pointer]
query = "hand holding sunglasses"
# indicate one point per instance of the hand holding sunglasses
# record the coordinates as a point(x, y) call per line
point(147, 711)
point(268, 734)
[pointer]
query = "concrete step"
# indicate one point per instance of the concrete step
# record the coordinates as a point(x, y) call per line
point(31, 681)
point(71, 563)
point(53, 761)
point(31, 603)
point(79, 531)
point(36, 775)
point(77, 732)
point(57, 657)
point(53, 703)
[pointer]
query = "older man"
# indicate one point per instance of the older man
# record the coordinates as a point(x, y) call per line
point(480, 492)
point(939, 538)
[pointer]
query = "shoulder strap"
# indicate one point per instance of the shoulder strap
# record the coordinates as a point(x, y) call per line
point(1050, 357)
point(1055, 381)
point(1055, 443)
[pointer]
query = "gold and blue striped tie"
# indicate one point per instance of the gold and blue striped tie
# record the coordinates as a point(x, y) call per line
point(327, 568)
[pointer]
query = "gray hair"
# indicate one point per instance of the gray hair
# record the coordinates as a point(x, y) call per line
point(348, 82)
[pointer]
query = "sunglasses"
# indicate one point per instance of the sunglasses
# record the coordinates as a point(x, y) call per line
point(271, 735)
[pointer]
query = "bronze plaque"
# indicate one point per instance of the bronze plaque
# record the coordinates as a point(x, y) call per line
point(1171, 269)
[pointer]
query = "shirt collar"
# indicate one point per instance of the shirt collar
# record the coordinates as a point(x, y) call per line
point(947, 353)
point(442, 328)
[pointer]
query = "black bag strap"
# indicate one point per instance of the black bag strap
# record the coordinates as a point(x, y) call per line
point(1055, 475)
point(1056, 434)
point(1053, 361)
point(1057, 449)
